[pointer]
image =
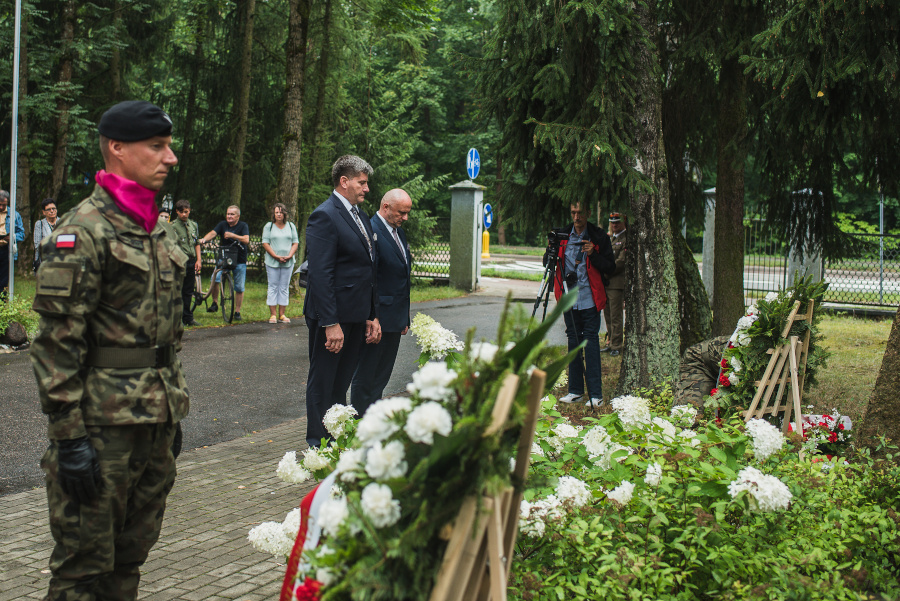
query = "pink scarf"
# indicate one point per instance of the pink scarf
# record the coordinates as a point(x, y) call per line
point(135, 200)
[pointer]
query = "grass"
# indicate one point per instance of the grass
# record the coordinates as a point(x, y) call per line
point(533, 276)
point(529, 251)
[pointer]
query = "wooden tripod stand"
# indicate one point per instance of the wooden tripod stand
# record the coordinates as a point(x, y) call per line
point(787, 366)
point(481, 541)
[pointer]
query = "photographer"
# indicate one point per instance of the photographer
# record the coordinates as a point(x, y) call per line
point(585, 260)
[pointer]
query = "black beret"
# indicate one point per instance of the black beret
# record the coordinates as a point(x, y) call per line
point(134, 120)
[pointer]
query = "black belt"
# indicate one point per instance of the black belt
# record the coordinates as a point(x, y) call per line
point(125, 358)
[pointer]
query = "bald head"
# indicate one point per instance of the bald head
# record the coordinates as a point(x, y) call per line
point(395, 207)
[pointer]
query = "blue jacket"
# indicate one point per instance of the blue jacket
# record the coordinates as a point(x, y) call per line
point(393, 278)
point(20, 230)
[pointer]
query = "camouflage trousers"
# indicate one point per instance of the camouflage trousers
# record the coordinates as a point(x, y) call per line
point(100, 547)
point(699, 371)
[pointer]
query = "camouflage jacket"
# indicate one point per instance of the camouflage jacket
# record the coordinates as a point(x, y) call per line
point(187, 235)
point(105, 282)
point(617, 279)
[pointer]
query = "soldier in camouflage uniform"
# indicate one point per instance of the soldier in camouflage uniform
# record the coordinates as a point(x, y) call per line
point(700, 371)
point(109, 297)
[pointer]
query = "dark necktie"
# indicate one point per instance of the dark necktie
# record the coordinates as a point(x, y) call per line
point(365, 234)
point(399, 244)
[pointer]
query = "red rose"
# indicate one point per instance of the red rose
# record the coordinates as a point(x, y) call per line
point(309, 590)
point(724, 381)
point(724, 363)
point(833, 437)
point(714, 392)
point(840, 426)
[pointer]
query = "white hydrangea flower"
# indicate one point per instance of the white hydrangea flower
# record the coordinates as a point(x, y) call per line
point(654, 474)
point(426, 420)
point(574, 490)
point(736, 364)
point(291, 524)
point(536, 449)
point(332, 514)
point(434, 339)
point(269, 537)
point(767, 493)
point(290, 471)
point(548, 508)
point(684, 415)
point(622, 493)
point(753, 309)
point(668, 432)
point(633, 411)
point(733, 378)
point(596, 441)
point(767, 439)
point(772, 296)
point(563, 380)
point(313, 460)
point(379, 505)
point(337, 417)
point(746, 321)
point(690, 437)
point(378, 423)
point(433, 381)
point(530, 525)
point(350, 463)
point(739, 339)
point(484, 351)
point(565, 430)
point(386, 462)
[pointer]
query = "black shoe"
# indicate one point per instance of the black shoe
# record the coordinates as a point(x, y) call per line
point(605, 350)
point(192, 322)
point(614, 353)
point(237, 316)
point(212, 308)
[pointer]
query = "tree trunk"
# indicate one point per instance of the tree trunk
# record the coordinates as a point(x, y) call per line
point(187, 138)
point(115, 60)
point(728, 278)
point(882, 417)
point(63, 104)
point(651, 335)
point(242, 107)
point(289, 170)
point(695, 317)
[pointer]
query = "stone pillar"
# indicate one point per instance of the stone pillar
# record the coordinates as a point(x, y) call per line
point(709, 242)
point(465, 234)
point(810, 264)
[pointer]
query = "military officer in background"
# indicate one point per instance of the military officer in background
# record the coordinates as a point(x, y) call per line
point(187, 233)
point(614, 313)
point(109, 296)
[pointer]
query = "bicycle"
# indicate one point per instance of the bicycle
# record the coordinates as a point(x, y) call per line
point(226, 260)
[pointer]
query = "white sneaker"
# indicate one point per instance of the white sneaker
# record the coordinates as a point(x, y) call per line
point(571, 398)
point(595, 403)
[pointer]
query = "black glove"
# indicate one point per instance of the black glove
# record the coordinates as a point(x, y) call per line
point(176, 442)
point(79, 471)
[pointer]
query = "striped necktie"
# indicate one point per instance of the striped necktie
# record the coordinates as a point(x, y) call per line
point(365, 234)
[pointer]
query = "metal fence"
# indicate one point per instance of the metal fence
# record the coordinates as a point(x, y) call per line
point(870, 276)
point(432, 259)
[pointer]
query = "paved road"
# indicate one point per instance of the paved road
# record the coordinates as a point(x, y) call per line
point(243, 379)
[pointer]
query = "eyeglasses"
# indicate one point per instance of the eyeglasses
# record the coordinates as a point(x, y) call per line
point(50, 209)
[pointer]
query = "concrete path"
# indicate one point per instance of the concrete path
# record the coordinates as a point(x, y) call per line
point(224, 489)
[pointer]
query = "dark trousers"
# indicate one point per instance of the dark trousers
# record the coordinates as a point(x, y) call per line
point(376, 363)
point(329, 375)
point(584, 324)
point(4, 267)
point(100, 547)
point(187, 294)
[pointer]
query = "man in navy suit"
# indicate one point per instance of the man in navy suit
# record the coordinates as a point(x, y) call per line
point(393, 262)
point(341, 296)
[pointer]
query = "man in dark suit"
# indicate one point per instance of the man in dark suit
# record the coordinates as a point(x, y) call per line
point(393, 262)
point(341, 296)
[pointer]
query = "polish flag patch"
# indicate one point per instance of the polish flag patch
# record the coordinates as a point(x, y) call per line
point(65, 241)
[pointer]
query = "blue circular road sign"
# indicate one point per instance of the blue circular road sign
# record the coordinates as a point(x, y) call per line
point(488, 216)
point(473, 163)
